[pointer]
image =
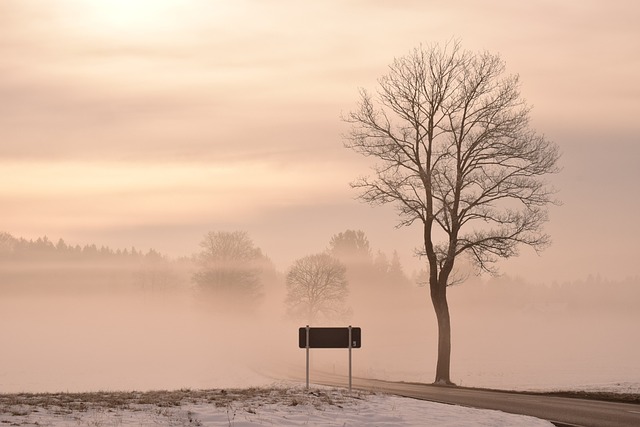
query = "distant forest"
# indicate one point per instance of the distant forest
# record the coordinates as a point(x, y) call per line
point(43, 249)
point(27, 265)
point(590, 296)
point(41, 265)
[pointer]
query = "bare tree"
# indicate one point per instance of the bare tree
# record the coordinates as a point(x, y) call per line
point(317, 289)
point(455, 153)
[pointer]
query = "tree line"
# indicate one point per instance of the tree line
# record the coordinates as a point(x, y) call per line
point(40, 265)
point(592, 296)
point(229, 274)
point(42, 249)
point(235, 275)
point(231, 271)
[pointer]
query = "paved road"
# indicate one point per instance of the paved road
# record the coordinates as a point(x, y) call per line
point(561, 411)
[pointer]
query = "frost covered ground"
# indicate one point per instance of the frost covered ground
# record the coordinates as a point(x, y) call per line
point(269, 406)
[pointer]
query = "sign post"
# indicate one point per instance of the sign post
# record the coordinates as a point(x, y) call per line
point(307, 345)
point(349, 338)
point(350, 342)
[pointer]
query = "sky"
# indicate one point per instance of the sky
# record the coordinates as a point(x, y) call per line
point(149, 123)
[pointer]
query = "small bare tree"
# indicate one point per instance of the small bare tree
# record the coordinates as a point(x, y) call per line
point(456, 154)
point(317, 289)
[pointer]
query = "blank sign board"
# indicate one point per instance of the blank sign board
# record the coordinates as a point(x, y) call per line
point(330, 337)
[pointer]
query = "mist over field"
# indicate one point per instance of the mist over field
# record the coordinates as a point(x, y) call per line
point(138, 321)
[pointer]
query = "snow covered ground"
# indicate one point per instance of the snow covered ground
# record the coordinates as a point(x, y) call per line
point(269, 406)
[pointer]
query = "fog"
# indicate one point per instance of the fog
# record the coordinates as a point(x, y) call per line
point(125, 330)
point(151, 123)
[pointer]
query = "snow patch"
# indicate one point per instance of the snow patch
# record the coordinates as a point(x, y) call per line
point(281, 406)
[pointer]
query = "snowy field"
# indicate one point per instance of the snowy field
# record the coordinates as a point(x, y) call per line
point(269, 406)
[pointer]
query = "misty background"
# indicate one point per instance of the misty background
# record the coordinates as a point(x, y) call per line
point(78, 318)
point(149, 124)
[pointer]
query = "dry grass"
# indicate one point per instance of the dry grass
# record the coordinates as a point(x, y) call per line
point(249, 399)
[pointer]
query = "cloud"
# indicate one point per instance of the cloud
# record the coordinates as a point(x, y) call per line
point(109, 194)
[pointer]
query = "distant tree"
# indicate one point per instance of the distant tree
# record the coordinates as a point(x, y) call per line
point(155, 273)
point(105, 252)
point(61, 246)
point(381, 264)
point(42, 247)
point(230, 268)
point(317, 289)
point(7, 244)
point(353, 249)
point(350, 245)
point(389, 273)
point(396, 273)
point(90, 250)
point(456, 155)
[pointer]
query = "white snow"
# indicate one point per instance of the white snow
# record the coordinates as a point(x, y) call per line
point(273, 406)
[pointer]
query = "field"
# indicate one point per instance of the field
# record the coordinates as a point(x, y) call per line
point(268, 406)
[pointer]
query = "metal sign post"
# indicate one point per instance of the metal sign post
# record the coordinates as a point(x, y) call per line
point(307, 345)
point(349, 358)
point(349, 338)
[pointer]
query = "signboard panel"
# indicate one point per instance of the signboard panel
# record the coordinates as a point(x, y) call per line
point(330, 338)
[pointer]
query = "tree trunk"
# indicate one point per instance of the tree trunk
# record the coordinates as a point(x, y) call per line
point(441, 307)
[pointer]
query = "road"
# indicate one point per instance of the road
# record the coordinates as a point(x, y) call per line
point(561, 411)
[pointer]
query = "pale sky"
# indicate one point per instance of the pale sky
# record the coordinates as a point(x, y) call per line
point(149, 123)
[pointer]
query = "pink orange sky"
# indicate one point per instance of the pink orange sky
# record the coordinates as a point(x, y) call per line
point(148, 123)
